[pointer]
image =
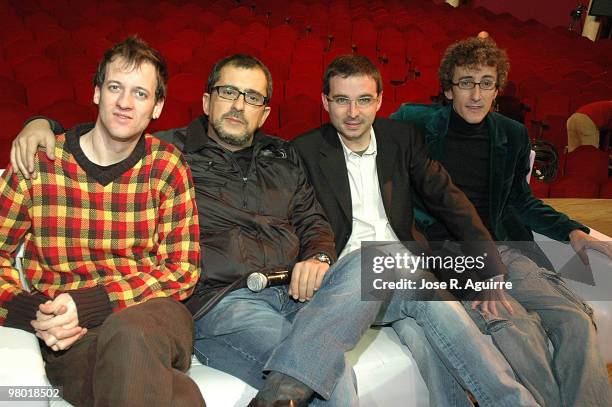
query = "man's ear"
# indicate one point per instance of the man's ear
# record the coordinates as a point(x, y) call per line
point(379, 103)
point(265, 114)
point(159, 105)
point(449, 94)
point(96, 95)
point(325, 101)
point(206, 103)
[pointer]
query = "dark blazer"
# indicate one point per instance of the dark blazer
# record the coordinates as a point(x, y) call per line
point(403, 165)
point(512, 205)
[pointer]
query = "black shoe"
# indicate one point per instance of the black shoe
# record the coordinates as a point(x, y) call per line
point(280, 390)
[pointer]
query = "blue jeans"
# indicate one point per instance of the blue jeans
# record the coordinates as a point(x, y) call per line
point(574, 375)
point(249, 333)
point(452, 354)
point(449, 349)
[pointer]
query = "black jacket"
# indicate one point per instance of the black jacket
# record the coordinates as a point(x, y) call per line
point(264, 220)
point(403, 164)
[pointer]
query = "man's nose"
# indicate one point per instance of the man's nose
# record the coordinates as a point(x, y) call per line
point(125, 100)
point(239, 102)
point(353, 108)
point(476, 92)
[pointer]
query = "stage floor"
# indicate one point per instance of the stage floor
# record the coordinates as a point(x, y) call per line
point(595, 213)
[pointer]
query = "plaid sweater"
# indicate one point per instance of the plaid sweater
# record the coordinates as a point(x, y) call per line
point(110, 238)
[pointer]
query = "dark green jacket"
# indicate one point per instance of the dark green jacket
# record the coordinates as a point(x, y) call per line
point(512, 205)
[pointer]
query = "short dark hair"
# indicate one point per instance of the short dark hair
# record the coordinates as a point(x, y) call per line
point(240, 61)
point(351, 65)
point(471, 53)
point(135, 52)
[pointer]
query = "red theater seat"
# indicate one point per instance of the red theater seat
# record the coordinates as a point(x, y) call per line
point(17, 51)
point(48, 34)
point(12, 117)
point(48, 90)
point(63, 48)
point(301, 108)
point(291, 130)
point(35, 67)
point(175, 114)
point(175, 51)
point(553, 103)
point(587, 162)
point(186, 87)
point(12, 91)
point(574, 187)
point(539, 189)
point(189, 38)
point(605, 191)
point(68, 113)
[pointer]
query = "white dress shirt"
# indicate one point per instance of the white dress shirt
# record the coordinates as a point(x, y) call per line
point(370, 221)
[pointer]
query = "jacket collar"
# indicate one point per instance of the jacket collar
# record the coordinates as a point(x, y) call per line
point(333, 167)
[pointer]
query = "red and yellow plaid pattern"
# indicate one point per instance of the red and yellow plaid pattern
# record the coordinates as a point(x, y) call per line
point(137, 237)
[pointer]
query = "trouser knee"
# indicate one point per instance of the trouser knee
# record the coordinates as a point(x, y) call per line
point(185, 391)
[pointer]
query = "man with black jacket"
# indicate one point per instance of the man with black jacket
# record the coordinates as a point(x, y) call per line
point(258, 213)
point(365, 172)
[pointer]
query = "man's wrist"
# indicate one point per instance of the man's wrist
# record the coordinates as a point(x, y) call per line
point(323, 258)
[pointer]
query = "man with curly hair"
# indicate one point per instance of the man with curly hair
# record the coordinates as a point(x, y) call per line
point(497, 149)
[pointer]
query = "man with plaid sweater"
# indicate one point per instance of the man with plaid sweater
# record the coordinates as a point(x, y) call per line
point(111, 247)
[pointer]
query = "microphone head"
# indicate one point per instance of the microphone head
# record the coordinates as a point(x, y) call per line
point(256, 282)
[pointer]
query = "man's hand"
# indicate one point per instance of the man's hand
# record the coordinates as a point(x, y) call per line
point(490, 298)
point(581, 241)
point(306, 278)
point(63, 311)
point(57, 323)
point(61, 339)
point(36, 133)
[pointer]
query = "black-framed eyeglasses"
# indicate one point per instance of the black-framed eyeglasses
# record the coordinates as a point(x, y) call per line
point(362, 101)
point(232, 93)
point(467, 84)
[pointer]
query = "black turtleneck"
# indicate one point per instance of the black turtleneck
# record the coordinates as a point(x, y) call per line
point(466, 157)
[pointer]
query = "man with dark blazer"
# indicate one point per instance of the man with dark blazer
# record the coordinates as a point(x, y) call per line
point(487, 155)
point(364, 171)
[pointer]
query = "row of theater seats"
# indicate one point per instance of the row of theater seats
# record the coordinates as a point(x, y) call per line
point(50, 49)
point(583, 174)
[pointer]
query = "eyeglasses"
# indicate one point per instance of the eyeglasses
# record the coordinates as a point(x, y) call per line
point(467, 84)
point(363, 101)
point(231, 93)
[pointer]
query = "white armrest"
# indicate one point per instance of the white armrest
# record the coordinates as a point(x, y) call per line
point(21, 362)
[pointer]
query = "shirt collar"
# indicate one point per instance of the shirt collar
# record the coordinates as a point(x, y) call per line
point(369, 151)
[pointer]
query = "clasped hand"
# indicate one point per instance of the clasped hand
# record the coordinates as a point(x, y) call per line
point(57, 323)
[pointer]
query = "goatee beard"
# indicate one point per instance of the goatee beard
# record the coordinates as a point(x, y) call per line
point(237, 140)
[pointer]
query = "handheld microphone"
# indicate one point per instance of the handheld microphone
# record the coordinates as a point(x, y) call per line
point(258, 281)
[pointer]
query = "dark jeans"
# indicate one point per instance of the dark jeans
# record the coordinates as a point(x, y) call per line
point(137, 357)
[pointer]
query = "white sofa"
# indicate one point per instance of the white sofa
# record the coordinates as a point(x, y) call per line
point(386, 373)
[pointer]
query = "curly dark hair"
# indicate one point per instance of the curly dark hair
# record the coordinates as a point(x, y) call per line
point(471, 53)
